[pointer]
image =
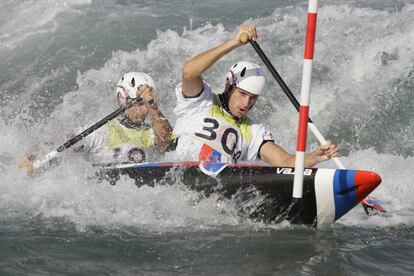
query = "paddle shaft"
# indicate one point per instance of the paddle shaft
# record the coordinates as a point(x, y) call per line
point(94, 127)
point(291, 97)
point(48, 157)
point(276, 75)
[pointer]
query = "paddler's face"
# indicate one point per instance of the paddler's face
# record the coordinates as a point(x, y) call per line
point(240, 102)
point(137, 113)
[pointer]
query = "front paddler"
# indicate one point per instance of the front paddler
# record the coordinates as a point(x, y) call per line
point(216, 128)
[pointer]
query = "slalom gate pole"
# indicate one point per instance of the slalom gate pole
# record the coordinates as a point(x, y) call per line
point(304, 100)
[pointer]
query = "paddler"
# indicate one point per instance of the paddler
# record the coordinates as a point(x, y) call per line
point(127, 138)
point(215, 128)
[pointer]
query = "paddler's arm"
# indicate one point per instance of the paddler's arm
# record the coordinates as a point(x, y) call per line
point(192, 80)
point(276, 156)
point(160, 125)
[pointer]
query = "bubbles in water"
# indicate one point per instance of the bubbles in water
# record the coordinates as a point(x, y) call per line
point(361, 98)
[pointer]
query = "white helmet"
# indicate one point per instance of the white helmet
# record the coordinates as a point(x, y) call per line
point(247, 76)
point(128, 84)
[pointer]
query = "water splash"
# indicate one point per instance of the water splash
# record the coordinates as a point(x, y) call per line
point(362, 98)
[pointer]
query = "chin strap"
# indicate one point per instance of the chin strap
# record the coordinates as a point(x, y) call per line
point(224, 99)
point(123, 120)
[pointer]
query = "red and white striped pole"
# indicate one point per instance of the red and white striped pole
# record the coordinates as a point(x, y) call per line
point(304, 100)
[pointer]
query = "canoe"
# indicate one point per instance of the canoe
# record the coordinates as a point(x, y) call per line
point(328, 194)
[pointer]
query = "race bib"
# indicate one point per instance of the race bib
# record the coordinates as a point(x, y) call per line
point(222, 137)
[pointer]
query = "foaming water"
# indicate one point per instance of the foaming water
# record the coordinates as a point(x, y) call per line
point(55, 81)
point(79, 198)
point(33, 18)
point(344, 106)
